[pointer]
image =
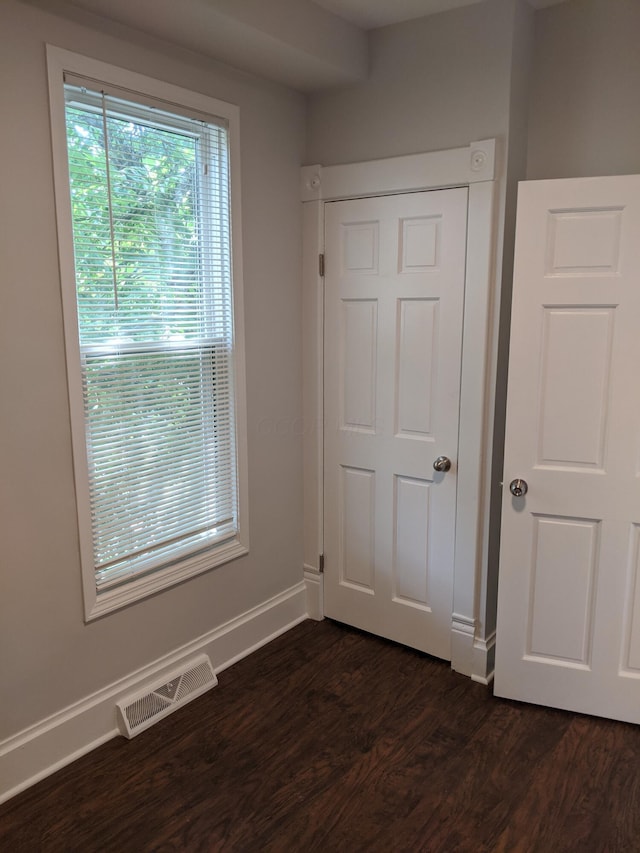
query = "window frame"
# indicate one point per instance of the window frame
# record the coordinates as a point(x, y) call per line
point(59, 63)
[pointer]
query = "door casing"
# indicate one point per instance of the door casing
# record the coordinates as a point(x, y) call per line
point(473, 166)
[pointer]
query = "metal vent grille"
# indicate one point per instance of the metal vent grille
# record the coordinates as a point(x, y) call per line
point(136, 713)
point(143, 709)
point(194, 679)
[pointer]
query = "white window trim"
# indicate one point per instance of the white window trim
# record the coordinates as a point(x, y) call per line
point(59, 62)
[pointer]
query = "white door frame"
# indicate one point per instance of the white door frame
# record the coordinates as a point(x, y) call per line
point(473, 166)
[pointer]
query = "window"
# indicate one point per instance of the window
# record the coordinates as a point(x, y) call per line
point(151, 325)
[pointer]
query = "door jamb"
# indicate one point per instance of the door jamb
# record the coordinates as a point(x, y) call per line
point(473, 166)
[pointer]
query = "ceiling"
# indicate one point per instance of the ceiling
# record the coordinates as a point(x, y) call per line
point(369, 14)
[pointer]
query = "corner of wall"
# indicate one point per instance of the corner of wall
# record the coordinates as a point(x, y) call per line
point(515, 169)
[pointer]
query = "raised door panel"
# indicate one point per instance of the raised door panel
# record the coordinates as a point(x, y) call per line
point(357, 534)
point(419, 246)
point(630, 656)
point(360, 247)
point(574, 392)
point(561, 590)
point(584, 242)
point(417, 347)
point(358, 363)
point(411, 541)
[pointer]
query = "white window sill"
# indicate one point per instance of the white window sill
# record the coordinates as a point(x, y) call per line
point(134, 590)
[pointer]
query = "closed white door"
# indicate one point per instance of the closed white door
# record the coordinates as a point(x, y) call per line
point(569, 588)
point(394, 291)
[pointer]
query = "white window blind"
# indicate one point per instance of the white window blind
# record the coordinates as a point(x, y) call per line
point(152, 247)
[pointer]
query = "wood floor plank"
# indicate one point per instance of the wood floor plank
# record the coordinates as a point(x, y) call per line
point(329, 739)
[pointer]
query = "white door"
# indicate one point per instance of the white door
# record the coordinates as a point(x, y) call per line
point(569, 589)
point(394, 292)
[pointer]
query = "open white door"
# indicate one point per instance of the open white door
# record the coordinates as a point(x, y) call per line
point(394, 298)
point(569, 589)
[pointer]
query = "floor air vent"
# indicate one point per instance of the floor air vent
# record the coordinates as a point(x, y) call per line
point(136, 713)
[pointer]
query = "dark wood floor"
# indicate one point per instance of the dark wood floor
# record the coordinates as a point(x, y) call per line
point(330, 739)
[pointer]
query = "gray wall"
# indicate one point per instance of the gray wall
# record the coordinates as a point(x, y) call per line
point(48, 657)
point(437, 82)
point(521, 74)
point(585, 101)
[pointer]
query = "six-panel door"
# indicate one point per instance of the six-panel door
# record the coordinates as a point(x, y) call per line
point(394, 292)
point(569, 593)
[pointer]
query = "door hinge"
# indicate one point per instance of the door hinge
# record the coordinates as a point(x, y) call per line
point(321, 265)
point(321, 563)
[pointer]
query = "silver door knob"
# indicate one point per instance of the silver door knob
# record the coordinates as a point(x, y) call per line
point(518, 488)
point(442, 463)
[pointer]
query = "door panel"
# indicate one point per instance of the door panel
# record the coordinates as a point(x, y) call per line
point(574, 391)
point(394, 288)
point(567, 628)
point(417, 359)
point(359, 348)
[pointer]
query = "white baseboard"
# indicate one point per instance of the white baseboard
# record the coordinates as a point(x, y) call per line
point(471, 655)
point(41, 749)
point(314, 583)
point(484, 657)
point(462, 633)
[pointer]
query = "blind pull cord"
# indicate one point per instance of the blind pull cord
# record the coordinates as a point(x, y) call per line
point(111, 234)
